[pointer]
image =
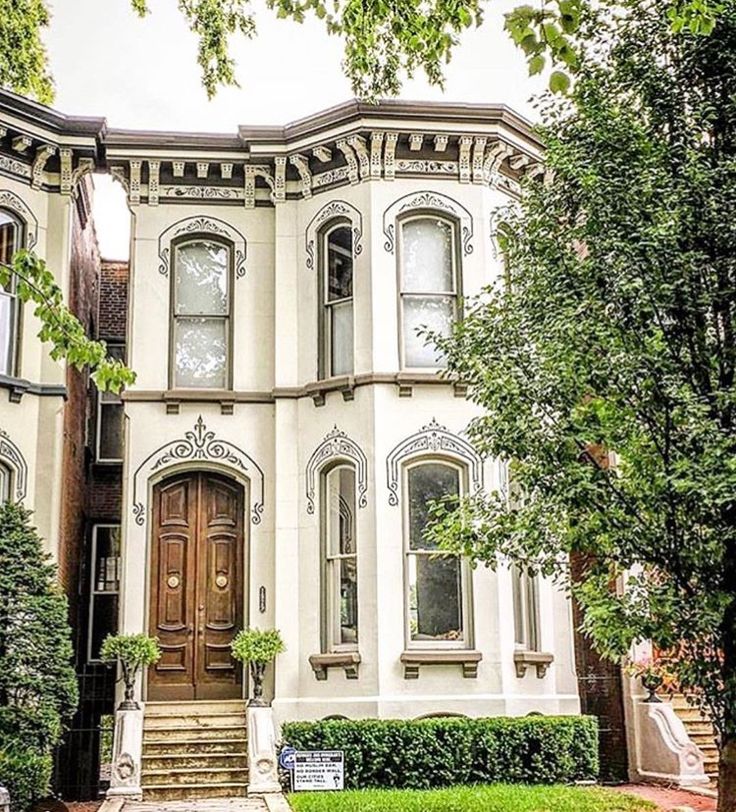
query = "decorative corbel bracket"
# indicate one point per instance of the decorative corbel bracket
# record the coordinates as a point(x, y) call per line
point(537, 659)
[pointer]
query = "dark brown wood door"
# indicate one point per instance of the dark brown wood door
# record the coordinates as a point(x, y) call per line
point(196, 587)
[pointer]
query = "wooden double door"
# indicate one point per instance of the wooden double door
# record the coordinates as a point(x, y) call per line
point(197, 587)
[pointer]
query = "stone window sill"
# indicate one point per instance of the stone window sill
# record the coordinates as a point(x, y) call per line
point(349, 660)
point(17, 387)
point(468, 659)
point(538, 659)
point(342, 383)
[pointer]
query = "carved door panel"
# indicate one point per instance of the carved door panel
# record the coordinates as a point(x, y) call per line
point(219, 589)
point(196, 587)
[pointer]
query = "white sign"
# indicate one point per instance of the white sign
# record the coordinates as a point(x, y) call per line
point(319, 770)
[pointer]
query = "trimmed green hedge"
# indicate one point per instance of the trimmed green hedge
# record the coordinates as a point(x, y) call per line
point(26, 775)
point(438, 752)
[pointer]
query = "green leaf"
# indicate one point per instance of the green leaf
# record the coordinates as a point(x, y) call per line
point(559, 82)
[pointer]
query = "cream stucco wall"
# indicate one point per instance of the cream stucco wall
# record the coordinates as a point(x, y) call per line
point(34, 425)
point(278, 426)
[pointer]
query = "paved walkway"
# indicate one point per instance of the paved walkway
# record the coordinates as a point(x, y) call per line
point(669, 799)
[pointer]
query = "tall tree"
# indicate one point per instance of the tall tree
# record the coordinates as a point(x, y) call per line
point(384, 42)
point(605, 362)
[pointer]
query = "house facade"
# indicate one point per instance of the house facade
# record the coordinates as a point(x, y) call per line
point(273, 463)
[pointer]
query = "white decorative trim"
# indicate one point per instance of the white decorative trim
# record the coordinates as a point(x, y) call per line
point(337, 445)
point(479, 149)
point(135, 182)
point(464, 158)
point(198, 445)
point(10, 455)
point(351, 160)
point(389, 153)
point(66, 157)
point(335, 209)
point(376, 147)
point(432, 439)
point(301, 162)
point(15, 167)
point(153, 182)
point(331, 176)
point(358, 143)
point(430, 201)
point(10, 200)
point(202, 192)
point(202, 225)
point(425, 167)
point(43, 153)
point(279, 188)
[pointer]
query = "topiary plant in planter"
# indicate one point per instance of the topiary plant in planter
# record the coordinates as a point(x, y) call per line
point(133, 652)
point(257, 647)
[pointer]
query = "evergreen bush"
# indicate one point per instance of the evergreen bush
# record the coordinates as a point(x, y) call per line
point(38, 686)
point(427, 753)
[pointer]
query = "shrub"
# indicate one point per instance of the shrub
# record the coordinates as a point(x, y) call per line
point(132, 651)
point(26, 775)
point(257, 647)
point(38, 687)
point(426, 753)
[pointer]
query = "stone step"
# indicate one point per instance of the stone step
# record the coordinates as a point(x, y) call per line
point(169, 745)
point(699, 728)
point(185, 761)
point(691, 715)
point(183, 732)
point(197, 776)
point(188, 792)
point(194, 707)
point(200, 720)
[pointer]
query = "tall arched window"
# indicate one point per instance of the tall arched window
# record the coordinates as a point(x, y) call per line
point(200, 340)
point(336, 294)
point(340, 559)
point(437, 597)
point(10, 241)
point(429, 286)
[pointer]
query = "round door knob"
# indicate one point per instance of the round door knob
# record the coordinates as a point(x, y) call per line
point(173, 581)
point(221, 581)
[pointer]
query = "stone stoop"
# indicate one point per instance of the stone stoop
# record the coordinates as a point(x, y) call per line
point(194, 750)
point(701, 732)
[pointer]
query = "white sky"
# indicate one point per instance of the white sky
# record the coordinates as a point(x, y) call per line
point(144, 74)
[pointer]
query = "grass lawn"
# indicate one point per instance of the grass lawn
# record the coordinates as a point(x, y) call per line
point(495, 798)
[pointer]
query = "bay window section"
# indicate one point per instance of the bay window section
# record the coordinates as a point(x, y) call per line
point(336, 322)
point(428, 287)
point(10, 242)
point(201, 315)
point(436, 582)
point(340, 566)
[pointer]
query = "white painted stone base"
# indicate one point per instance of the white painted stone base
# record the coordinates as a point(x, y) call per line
point(263, 776)
point(125, 780)
point(664, 753)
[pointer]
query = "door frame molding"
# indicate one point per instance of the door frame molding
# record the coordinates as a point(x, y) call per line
point(194, 468)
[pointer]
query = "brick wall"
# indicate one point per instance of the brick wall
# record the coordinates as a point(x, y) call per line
point(82, 300)
point(113, 308)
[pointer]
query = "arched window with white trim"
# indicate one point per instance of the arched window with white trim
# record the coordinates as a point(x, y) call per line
point(429, 285)
point(339, 558)
point(336, 300)
point(437, 583)
point(201, 314)
point(11, 240)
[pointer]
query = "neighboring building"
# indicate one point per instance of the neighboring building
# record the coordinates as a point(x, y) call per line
point(273, 462)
